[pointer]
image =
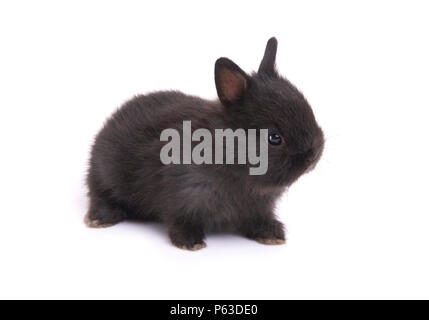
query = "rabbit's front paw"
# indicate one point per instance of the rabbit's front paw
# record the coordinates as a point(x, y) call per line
point(192, 247)
point(187, 237)
point(269, 232)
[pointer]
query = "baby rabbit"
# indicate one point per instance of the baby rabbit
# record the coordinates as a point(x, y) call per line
point(127, 179)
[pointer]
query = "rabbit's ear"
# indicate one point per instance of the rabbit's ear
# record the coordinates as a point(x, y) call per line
point(268, 63)
point(231, 81)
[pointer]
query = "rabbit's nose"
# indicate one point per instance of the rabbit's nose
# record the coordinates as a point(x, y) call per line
point(315, 155)
point(310, 155)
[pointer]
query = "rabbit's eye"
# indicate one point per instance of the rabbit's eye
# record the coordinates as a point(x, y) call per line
point(275, 139)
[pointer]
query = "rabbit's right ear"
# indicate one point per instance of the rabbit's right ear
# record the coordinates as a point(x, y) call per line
point(231, 81)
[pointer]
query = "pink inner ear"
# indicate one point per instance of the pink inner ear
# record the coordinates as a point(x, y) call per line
point(232, 84)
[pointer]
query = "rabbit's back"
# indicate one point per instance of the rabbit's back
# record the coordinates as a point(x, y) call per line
point(125, 161)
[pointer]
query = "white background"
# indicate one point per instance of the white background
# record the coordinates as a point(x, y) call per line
point(357, 225)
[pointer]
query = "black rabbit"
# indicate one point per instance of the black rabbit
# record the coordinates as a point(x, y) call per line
point(127, 180)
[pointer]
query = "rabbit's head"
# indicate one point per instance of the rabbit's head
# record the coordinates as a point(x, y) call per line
point(266, 100)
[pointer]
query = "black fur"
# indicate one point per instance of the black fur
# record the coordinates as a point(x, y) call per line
point(126, 179)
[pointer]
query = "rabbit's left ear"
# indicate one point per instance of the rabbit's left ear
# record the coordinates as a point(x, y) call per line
point(268, 63)
point(231, 81)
